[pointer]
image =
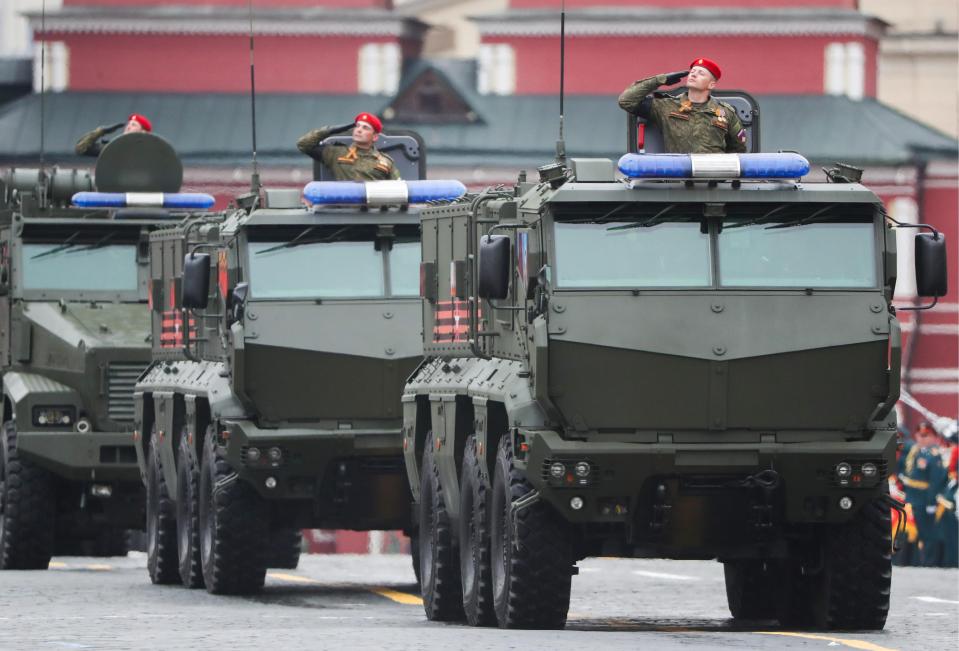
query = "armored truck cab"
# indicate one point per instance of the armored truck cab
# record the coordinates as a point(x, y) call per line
point(283, 336)
point(74, 337)
point(675, 367)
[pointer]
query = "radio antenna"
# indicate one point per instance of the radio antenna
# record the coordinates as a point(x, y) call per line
point(255, 180)
point(43, 95)
point(561, 143)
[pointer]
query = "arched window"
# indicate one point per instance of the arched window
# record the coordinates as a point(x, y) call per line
point(497, 69)
point(379, 68)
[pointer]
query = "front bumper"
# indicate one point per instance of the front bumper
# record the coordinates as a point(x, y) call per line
point(356, 478)
point(94, 456)
point(649, 486)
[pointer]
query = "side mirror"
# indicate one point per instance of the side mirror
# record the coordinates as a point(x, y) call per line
point(238, 301)
point(494, 266)
point(196, 280)
point(932, 278)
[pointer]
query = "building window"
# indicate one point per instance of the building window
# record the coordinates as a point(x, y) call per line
point(379, 68)
point(56, 75)
point(845, 70)
point(497, 69)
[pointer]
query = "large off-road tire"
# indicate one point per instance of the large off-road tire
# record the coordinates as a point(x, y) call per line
point(188, 515)
point(27, 508)
point(439, 570)
point(285, 546)
point(532, 558)
point(415, 551)
point(475, 573)
point(234, 532)
point(161, 520)
point(851, 590)
point(111, 542)
point(752, 588)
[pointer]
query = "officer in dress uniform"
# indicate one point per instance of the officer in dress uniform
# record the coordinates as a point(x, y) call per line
point(946, 523)
point(359, 161)
point(92, 143)
point(694, 122)
point(922, 467)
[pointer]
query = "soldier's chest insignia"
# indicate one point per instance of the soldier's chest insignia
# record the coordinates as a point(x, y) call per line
point(720, 120)
point(922, 463)
point(679, 116)
point(349, 157)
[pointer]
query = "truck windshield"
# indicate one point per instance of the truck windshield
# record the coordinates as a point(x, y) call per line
point(340, 269)
point(795, 254)
point(80, 266)
point(627, 254)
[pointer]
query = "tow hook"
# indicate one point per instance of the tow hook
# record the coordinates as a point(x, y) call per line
point(766, 482)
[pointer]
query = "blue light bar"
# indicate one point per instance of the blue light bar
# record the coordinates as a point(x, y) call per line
point(175, 200)
point(382, 193)
point(785, 165)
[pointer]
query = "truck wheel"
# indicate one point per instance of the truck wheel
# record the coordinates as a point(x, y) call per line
point(161, 522)
point(531, 551)
point(233, 526)
point(851, 591)
point(474, 541)
point(111, 542)
point(752, 589)
point(27, 509)
point(188, 516)
point(285, 547)
point(439, 574)
point(415, 553)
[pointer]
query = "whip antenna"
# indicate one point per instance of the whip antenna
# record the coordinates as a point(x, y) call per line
point(561, 143)
point(43, 95)
point(255, 180)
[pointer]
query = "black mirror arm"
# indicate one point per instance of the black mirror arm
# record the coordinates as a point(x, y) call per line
point(920, 308)
point(935, 233)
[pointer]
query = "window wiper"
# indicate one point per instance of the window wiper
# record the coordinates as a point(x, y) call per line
point(98, 244)
point(817, 216)
point(760, 220)
point(298, 240)
point(67, 244)
point(646, 223)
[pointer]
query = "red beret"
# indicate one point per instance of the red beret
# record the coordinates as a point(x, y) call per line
point(144, 122)
point(712, 66)
point(370, 119)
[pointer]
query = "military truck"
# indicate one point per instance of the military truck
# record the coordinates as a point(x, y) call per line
point(283, 335)
point(670, 360)
point(74, 336)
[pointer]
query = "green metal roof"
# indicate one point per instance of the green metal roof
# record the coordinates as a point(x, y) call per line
point(515, 130)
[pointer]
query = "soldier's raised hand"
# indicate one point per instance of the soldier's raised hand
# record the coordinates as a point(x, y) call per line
point(675, 77)
point(342, 127)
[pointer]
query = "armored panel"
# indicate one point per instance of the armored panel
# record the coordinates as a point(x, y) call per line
point(139, 162)
point(646, 138)
point(404, 147)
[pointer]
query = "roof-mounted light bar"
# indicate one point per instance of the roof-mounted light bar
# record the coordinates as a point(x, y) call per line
point(382, 193)
point(173, 200)
point(785, 165)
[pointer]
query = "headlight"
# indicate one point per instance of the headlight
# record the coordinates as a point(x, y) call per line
point(557, 470)
point(54, 416)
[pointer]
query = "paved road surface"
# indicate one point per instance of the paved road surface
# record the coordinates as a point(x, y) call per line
point(367, 602)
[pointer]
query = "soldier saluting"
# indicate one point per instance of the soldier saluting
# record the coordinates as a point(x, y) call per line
point(92, 143)
point(360, 161)
point(694, 122)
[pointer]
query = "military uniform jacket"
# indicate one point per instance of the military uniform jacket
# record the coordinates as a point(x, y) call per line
point(92, 143)
point(348, 163)
point(712, 127)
